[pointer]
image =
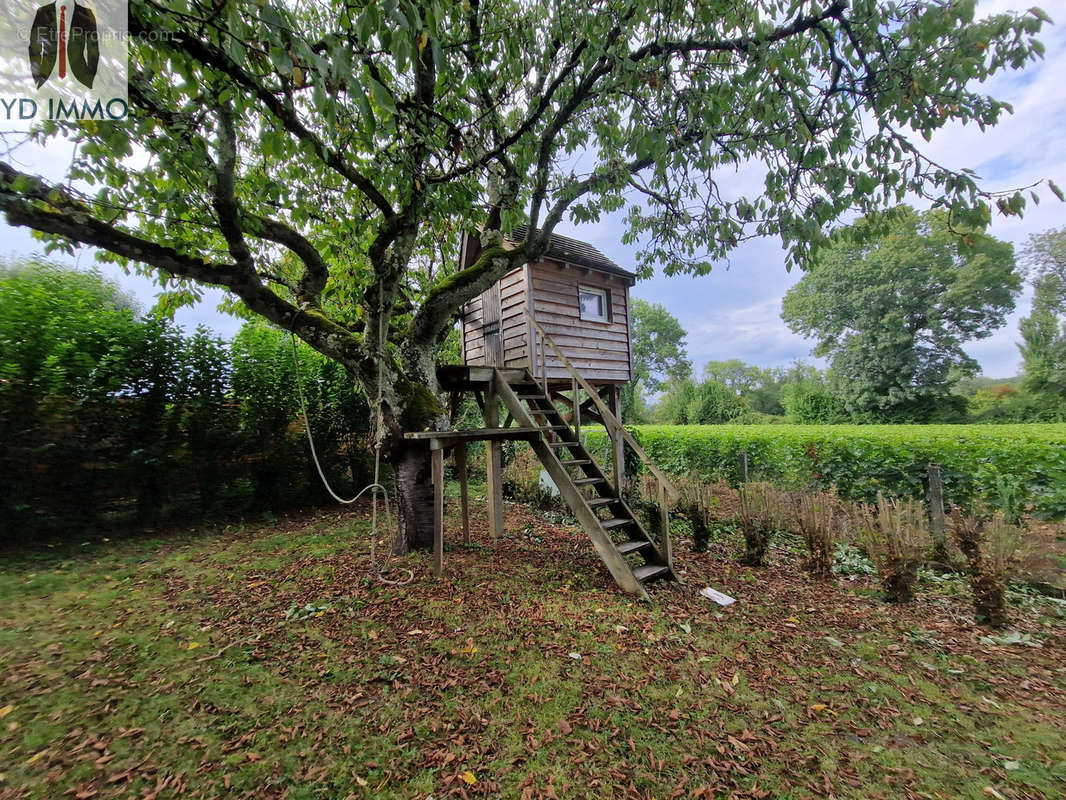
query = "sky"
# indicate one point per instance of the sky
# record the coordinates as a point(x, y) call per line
point(734, 312)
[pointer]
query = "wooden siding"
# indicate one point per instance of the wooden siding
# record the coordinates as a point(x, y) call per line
point(599, 350)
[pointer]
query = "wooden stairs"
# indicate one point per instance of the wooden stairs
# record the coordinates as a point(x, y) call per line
point(633, 557)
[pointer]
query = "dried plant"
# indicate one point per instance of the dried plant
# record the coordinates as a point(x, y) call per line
point(817, 516)
point(696, 503)
point(895, 535)
point(990, 547)
point(763, 510)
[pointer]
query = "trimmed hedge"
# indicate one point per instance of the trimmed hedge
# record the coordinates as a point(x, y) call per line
point(978, 462)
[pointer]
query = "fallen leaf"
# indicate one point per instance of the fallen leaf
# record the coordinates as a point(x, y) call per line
point(6, 710)
point(192, 645)
point(564, 727)
point(468, 778)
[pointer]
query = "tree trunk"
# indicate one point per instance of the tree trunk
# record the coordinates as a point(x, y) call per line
point(414, 500)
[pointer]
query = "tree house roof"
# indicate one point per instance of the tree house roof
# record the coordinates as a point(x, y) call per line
point(574, 251)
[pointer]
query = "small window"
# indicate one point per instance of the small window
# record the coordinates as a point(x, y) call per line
point(594, 304)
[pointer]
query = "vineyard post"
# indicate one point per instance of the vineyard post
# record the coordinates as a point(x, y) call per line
point(743, 466)
point(936, 513)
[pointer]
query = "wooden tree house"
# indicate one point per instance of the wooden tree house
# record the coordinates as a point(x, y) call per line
point(549, 342)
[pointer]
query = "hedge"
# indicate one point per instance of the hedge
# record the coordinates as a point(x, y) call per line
point(993, 463)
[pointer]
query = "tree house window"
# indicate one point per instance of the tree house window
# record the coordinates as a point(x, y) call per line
point(594, 304)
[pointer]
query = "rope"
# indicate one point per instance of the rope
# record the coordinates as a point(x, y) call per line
point(379, 435)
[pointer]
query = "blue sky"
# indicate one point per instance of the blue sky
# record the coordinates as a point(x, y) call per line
point(734, 312)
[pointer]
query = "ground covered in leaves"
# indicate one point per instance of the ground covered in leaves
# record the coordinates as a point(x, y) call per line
point(270, 662)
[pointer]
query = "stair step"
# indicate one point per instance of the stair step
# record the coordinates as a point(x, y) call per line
point(540, 396)
point(617, 522)
point(596, 502)
point(564, 444)
point(554, 427)
point(587, 481)
point(576, 462)
point(651, 572)
point(625, 548)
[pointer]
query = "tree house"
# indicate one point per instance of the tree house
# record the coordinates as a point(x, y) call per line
point(577, 295)
point(549, 345)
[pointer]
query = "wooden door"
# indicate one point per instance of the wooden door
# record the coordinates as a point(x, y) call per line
point(490, 326)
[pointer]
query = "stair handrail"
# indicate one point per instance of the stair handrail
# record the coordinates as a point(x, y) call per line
point(609, 419)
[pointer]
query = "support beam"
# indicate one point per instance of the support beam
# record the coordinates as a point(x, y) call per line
point(494, 463)
point(617, 443)
point(576, 416)
point(460, 467)
point(665, 546)
point(437, 461)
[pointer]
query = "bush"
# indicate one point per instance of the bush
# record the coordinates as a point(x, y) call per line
point(812, 404)
point(112, 421)
point(763, 511)
point(696, 504)
point(861, 460)
point(521, 477)
point(714, 403)
point(816, 517)
point(895, 536)
point(990, 547)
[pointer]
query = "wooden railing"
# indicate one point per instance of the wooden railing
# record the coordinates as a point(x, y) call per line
point(667, 492)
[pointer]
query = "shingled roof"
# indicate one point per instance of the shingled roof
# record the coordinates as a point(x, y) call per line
point(572, 251)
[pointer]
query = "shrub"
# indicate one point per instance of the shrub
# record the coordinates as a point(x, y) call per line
point(861, 460)
point(812, 404)
point(816, 515)
point(763, 510)
point(521, 478)
point(990, 547)
point(714, 403)
point(895, 536)
point(696, 503)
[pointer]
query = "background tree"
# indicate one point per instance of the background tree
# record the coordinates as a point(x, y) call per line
point(318, 161)
point(714, 403)
point(893, 300)
point(735, 374)
point(761, 388)
point(1043, 345)
point(657, 341)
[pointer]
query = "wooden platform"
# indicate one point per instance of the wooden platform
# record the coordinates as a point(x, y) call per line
point(465, 378)
point(438, 440)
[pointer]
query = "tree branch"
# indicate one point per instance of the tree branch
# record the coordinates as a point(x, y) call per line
point(29, 201)
point(211, 56)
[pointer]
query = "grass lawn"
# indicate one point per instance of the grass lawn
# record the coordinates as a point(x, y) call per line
point(192, 667)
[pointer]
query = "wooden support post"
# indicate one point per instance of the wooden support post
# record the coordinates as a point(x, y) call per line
point(460, 467)
point(437, 459)
point(543, 365)
point(617, 443)
point(743, 466)
point(665, 547)
point(494, 461)
point(936, 513)
point(576, 416)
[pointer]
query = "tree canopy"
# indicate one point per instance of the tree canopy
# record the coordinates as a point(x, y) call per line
point(658, 345)
point(893, 300)
point(1043, 345)
point(319, 160)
